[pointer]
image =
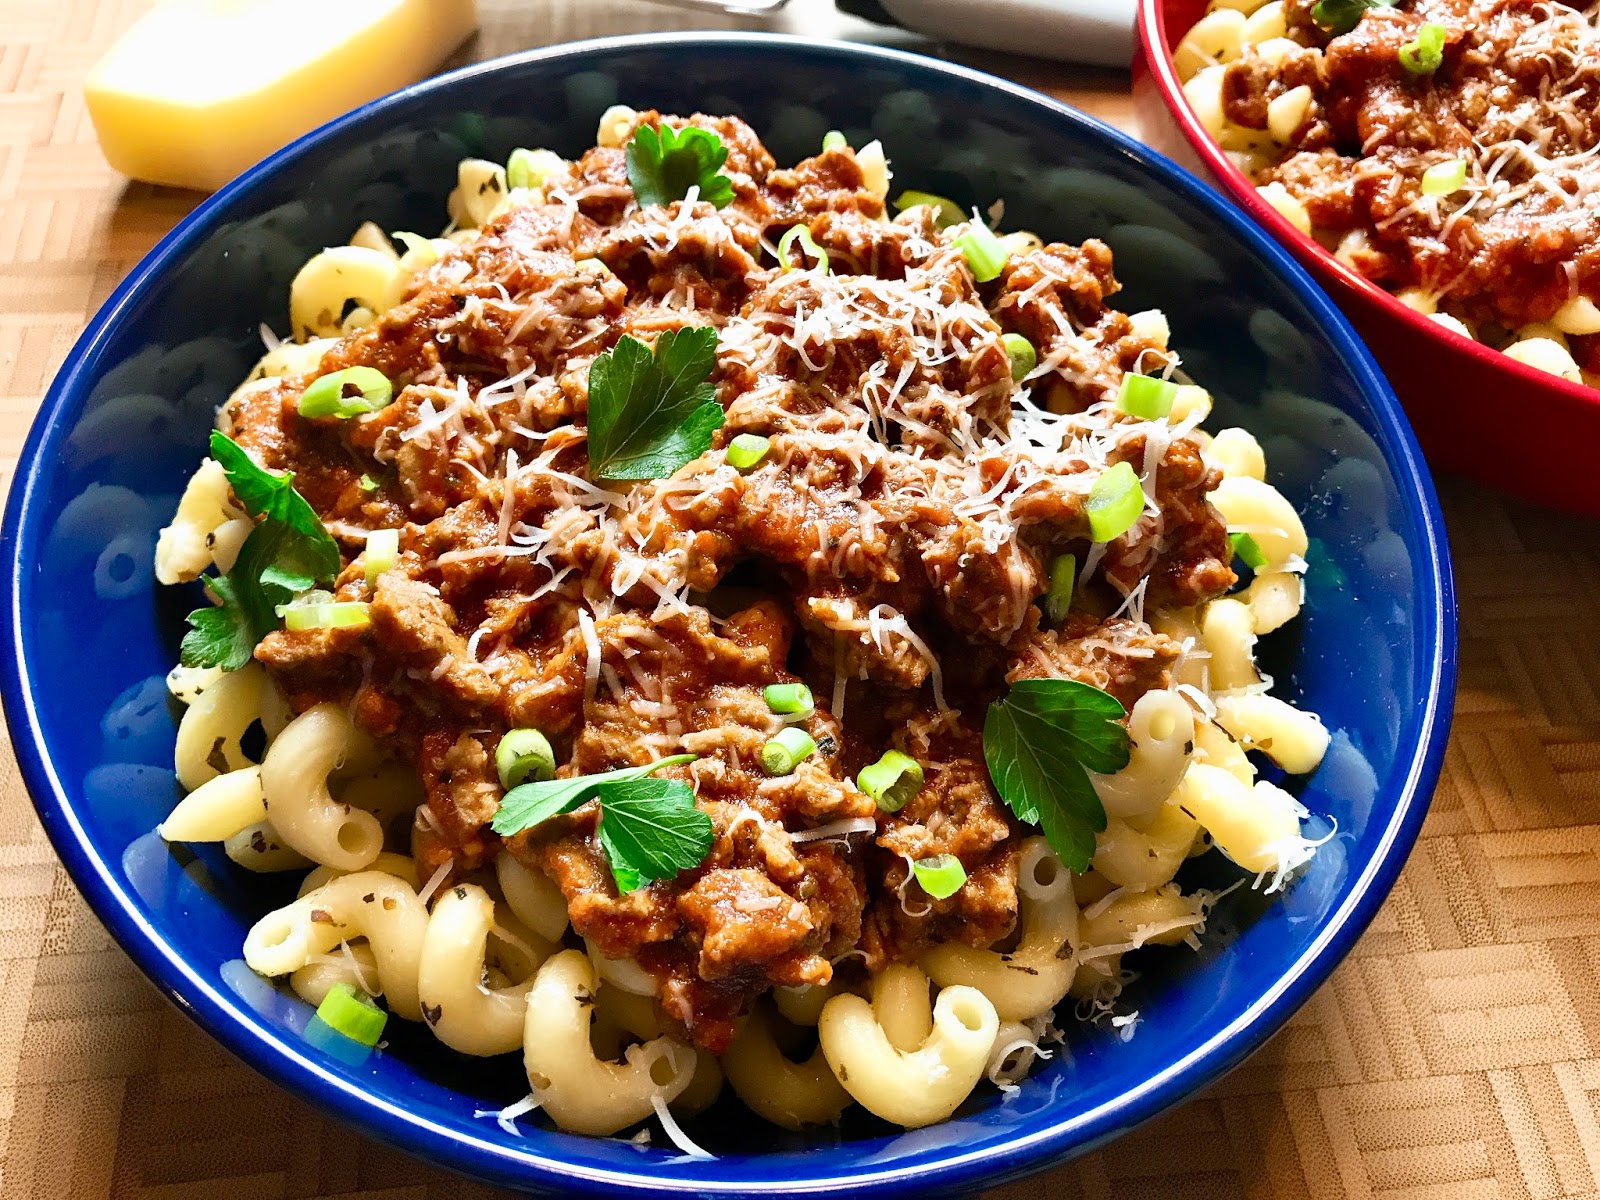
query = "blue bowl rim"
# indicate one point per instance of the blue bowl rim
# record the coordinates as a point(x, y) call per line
point(226, 1019)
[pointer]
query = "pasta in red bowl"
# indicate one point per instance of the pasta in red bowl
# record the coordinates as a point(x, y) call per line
point(1429, 165)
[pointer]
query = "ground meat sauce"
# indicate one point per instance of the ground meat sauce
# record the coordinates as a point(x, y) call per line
point(889, 551)
point(1515, 98)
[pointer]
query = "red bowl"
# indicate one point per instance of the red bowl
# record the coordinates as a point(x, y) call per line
point(1475, 410)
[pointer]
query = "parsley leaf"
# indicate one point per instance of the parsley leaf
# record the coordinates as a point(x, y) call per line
point(221, 635)
point(1341, 16)
point(287, 552)
point(663, 164)
point(650, 829)
point(626, 878)
point(651, 413)
point(281, 562)
point(530, 804)
point(1038, 740)
point(271, 494)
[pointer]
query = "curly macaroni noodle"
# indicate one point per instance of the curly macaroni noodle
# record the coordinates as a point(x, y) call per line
point(211, 733)
point(294, 776)
point(401, 866)
point(1216, 747)
point(1160, 740)
point(1249, 824)
point(918, 1084)
point(900, 1004)
point(1295, 740)
point(580, 1092)
point(338, 277)
point(1031, 979)
point(1274, 599)
point(537, 902)
point(774, 1086)
point(259, 848)
point(1149, 857)
point(1238, 454)
point(623, 1016)
point(1229, 633)
point(1261, 510)
point(1163, 917)
point(624, 974)
point(219, 808)
point(1126, 921)
point(185, 548)
point(373, 905)
point(354, 965)
point(803, 1005)
point(389, 791)
point(462, 1013)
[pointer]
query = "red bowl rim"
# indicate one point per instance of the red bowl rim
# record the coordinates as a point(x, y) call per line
point(1152, 33)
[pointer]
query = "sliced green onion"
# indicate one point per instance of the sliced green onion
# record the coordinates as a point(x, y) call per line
point(1146, 396)
point(786, 751)
point(352, 1014)
point(940, 876)
point(1022, 355)
point(892, 781)
point(1063, 577)
point(834, 140)
point(524, 756)
point(319, 1034)
point(803, 235)
point(305, 600)
point(383, 547)
point(1443, 178)
point(368, 484)
point(787, 698)
point(1424, 54)
point(946, 212)
point(1247, 551)
point(347, 393)
point(746, 450)
point(1115, 502)
point(343, 614)
point(591, 266)
point(519, 168)
point(985, 253)
point(530, 168)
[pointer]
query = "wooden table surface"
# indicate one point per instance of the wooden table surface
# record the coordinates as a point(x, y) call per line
point(1455, 1056)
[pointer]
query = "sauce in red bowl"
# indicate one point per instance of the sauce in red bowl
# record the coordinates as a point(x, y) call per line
point(1474, 410)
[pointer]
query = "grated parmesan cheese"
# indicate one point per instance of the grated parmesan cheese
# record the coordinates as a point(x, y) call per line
point(506, 1117)
point(674, 1131)
point(436, 880)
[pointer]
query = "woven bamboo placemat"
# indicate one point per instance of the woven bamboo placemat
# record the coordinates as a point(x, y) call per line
point(1453, 1057)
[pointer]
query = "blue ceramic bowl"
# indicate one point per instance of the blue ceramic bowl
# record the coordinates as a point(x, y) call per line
point(89, 637)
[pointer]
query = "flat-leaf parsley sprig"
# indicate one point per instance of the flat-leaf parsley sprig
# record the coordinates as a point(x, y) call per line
point(664, 163)
point(287, 552)
point(650, 413)
point(1040, 740)
point(1341, 16)
point(649, 828)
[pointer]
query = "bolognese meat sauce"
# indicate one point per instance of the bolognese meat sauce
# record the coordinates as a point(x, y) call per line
point(889, 550)
point(1511, 97)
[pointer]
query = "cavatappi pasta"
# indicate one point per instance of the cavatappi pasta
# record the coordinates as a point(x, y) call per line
point(890, 937)
point(1445, 152)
